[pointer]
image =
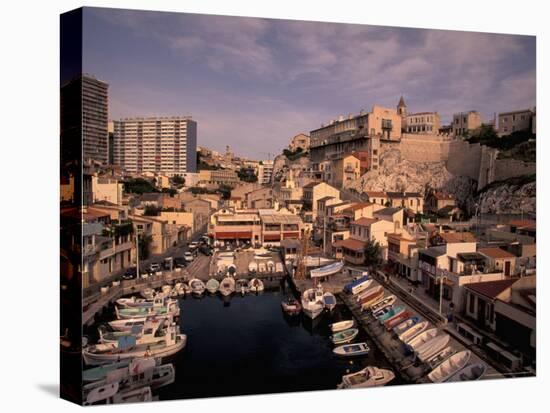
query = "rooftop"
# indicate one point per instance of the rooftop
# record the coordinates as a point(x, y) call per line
point(358, 206)
point(524, 223)
point(387, 211)
point(495, 253)
point(491, 289)
point(376, 194)
point(434, 252)
point(351, 244)
point(403, 194)
point(456, 237)
point(365, 222)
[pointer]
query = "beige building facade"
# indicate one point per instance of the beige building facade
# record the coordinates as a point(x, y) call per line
point(466, 122)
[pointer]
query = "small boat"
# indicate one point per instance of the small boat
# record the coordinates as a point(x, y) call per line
point(136, 324)
point(412, 332)
point(100, 372)
point(330, 301)
point(432, 347)
point(376, 294)
point(241, 286)
point(356, 286)
point(440, 357)
point(385, 302)
point(151, 332)
point(367, 286)
point(387, 312)
point(312, 302)
point(227, 286)
point(368, 377)
point(172, 308)
point(256, 285)
point(212, 285)
point(422, 338)
point(147, 293)
point(469, 373)
point(197, 287)
point(344, 336)
point(110, 394)
point(166, 290)
point(352, 350)
point(180, 289)
point(291, 306)
point(342, 325)
point(450, 366)
point(327, 270)
point(405, 325)
point(133, 301)
point(391, 322)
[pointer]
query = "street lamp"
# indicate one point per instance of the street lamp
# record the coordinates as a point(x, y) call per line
point(441, 278)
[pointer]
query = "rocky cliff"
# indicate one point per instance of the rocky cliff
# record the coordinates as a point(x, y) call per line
point(509, 197)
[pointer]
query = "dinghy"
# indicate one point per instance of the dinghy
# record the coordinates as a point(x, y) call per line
point(344, 336)
point(355, 287)
point(147, 293)
point(197, 287)
point(450, 366)
point(385, 302)
point(100, 372)
point(151, 332)
point(352, 350)
point(291, 306)
point(227, 286)
point(412, 332)
point(342, 325)
point(329, 300)
point(312, 302)
point(366, 290)
point(469, 373)
point(440, 357)
point(327, 270)
point(172, 309)
point(376, 294)
point(388, 312)
point(256, 285)
point(180, 289)
point(241, 286)
point(391, 322)
point(133, 301)
point(212, 285)
point(422, 338)
point(368, 377)
point(109, 394)
point(432, 347)
point(408, 323)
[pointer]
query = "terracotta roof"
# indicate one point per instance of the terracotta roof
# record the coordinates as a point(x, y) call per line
point(325, 198)
point(525, 223)
point(376, 194)
point(365, 222)
point(358, 206)
point(311, 184)
point(495, 252)
point(351, 244)
point(454, 237)
point(491, 289)
point(442, 196)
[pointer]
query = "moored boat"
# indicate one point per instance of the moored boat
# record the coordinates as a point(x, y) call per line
point(171, 309)
point(352, 350)
point(197, 287)
point(291, 306)
point(450, 366)
point(212, 285)
point(344, 336)
point(327, 270)
point(329, 300)
point(227, 286)
point(469, 373)
point(147, 293)
point(384, 302)
point(422, 338)
point(406, 324)
point(432, 347)
point(391, 322)
point(256, 285)
point(387, 312)
point(312, 302)
point(413, 331)
point(110, 394)
point(356, 286)
point(241, 286)
point(370, 376)
point(375, 295)
point(342, 325)
point(367, 285)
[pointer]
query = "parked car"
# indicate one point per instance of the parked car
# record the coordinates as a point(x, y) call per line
point(167, 264)
point(203, 249)
point(129, 274)
point(188, 256)
point(179, 262)
point(154, 267)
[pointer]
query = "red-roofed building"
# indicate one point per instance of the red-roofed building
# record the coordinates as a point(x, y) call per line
point(436, 201)
point(499, 259)
point(377, 197)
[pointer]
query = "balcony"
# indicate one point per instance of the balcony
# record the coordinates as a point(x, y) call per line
point(115, 249)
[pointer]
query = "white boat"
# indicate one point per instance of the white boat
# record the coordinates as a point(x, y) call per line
point(227, 286)
point(312, 302)
point(432, 347)
point(151, 332)
point(327, 270)
point(109, 394)
point(241, 286)
point(344, 336)
point(197, 287)
point(133, 301)
point(405, 325)
point(136, 324)
point(212, 285)
point(469, 373)
point(166, 289)
point(329, 300)
point(361, 284)
point(368, 377)
point(383, 303)
point(422, 338)
point(147, 293)
point(127, 348)
point(365, 287)
point(412, 332)
point(171, 309)
point(450, 366)
point(256, 285)
point(352, 350)
point(342, 325)
point(440, 357)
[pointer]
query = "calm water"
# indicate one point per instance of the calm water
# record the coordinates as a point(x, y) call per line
point(246, 345)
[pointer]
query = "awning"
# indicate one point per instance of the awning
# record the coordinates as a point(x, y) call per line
point(293, 235)
point(234, 235)
point(272, 237)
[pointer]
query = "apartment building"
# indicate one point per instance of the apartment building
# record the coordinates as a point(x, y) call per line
point(107, 189)
point(422, 122)
point(161, 145)
point(466, 122)
point(265, 172)
point(517, 120)
point(299, 141)
point(215, 178)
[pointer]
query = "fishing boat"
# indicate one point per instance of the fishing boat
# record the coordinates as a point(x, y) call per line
point(256, 285)
point(387, 312)
point(127, 348)
point(406, 324)
point(179, 289)
point(391, 322)
point(212, 285)
point(150, 332)
point(147, 293)
point(367, 285)
point(241, 286)
point(352, 350)
point(356, 286)
point(132, 324)
point(344, 336)
point(100, 372)
point(227, 286)
point(370, 376)
point(109, 394)
point(385, 302)
point(342, 325)
point(197, 287)
point(329, 300)
point(133, 301)
point(432, 347)
point(312, 302)
point(171, 309)
point(450, 366)
point(412, 332)
point(375, 295)
point(291, 306)
point(422, 338)
point(469, 373)
point(327, 270)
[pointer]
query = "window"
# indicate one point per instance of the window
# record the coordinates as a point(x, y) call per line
point(471, 303)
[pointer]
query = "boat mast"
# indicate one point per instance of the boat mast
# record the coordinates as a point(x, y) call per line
point(301, 269)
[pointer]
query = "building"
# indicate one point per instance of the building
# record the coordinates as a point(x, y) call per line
point(438, 200)
point(299, 141)
point(422, 122)
point(377, 197)
point(161, 145)
point(403, 255)
point(499, 260)
point(260, 198)
point(107, 189)
point(314, 191)
point(84, 116)
point(341, 171)
point(518, 120)
point(217, 177)
point(466, 122)
point(410, 200)
point(265, 172)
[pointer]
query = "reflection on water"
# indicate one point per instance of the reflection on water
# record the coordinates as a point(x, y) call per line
point(247, 345)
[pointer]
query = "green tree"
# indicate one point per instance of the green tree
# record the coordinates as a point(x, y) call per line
point(178, 181)
point(151, 210)
point(247, 175)
point(225, 191)
point(144, 246)
point(373, 255)
point(138, 186)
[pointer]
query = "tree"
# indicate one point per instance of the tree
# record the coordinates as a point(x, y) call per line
point(373, 255)
point(178, 181)
point(144, 246)
point(247, 175)
point(151, 210)
point(225, 191)
point(170, 191)
point(138, 186)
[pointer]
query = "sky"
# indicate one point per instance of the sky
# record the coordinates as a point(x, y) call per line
point(254, 83)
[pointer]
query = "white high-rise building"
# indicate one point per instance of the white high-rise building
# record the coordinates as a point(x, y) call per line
point(265, 171)
point(166, 145)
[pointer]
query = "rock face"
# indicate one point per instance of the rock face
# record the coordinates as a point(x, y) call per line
point(509, 199)
point(282, 165)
